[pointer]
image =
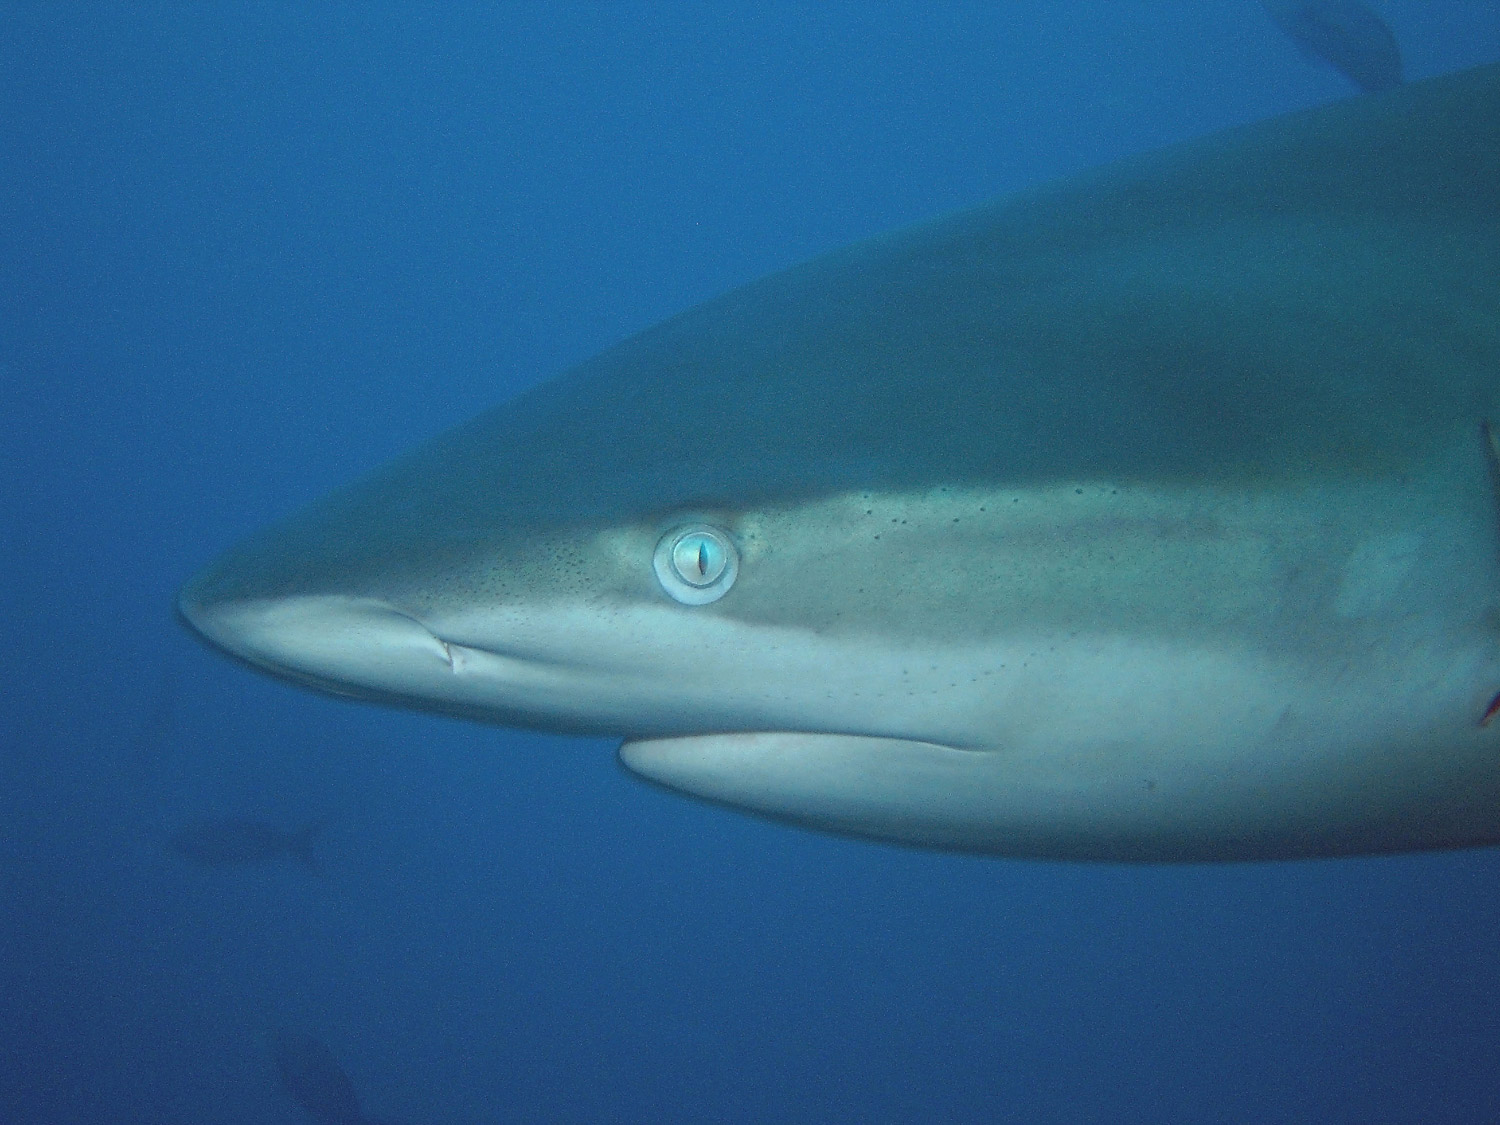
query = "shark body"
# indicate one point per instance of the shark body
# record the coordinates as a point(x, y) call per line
point(1149, 515)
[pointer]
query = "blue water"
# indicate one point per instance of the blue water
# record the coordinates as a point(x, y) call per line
point(249, 250)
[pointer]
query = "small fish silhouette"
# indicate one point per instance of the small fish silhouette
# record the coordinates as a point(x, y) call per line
point(233, 842)
point(1345, 34)
point(315, 1081)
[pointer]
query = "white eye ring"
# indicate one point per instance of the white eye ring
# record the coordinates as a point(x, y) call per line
point(696, 564)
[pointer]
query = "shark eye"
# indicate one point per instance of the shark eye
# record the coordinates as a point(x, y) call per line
point(696, 564)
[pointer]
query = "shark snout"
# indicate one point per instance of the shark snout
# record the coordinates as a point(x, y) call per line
point(332, 639)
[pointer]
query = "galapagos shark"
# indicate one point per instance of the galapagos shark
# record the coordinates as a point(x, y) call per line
point(1150, 515)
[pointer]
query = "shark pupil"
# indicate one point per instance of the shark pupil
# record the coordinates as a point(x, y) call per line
point(699, 558)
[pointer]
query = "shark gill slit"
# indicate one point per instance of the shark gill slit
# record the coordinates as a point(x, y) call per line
point(1491, 443)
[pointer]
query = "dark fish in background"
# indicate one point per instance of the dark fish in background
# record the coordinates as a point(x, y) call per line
point(1346, 34)
point(231, 843)
point(315, 1081)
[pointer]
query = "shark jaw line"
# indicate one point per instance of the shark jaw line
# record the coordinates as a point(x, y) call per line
point(549, 667)
point(671, 675)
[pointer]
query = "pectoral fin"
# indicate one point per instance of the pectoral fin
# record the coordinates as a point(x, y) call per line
point(883, 787)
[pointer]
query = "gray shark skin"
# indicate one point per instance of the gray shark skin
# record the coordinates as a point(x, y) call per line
point(1149, 516)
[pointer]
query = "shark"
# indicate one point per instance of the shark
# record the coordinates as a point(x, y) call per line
point(1151, 515)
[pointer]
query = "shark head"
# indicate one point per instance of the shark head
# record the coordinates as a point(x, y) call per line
point(1146, 516)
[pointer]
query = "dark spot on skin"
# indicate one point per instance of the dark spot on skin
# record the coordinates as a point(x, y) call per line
point(1150, 786)
point(1078, 491)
